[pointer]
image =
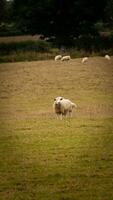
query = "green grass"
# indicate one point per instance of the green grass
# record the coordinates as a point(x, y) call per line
point(44, 158)
point(29, 48)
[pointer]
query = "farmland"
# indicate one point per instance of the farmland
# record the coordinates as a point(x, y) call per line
point(44, 158)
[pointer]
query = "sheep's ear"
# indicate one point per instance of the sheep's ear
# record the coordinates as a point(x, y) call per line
point(54, 99)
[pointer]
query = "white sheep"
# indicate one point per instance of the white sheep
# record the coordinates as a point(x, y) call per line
point(63, 106)
point(58, 57)
point(65, 58)
point(107, 57)
point(84, 59)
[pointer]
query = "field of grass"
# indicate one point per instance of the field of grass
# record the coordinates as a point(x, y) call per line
point(42, 158)
point(20, 38)
point(32, 48)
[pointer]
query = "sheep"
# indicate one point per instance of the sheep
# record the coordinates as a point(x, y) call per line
point(58, 57)
point(84, 59)
point(63, 106)
point(65, 58)
point(107, 57)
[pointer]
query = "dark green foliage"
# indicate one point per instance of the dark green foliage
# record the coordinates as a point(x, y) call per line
point(63, 20)
point(94, 43)
point(5, 11)
point(38, 46)
point(42, 50)
point(2, 10)
point(86, 43)
point(9, 30)
point(109, 12)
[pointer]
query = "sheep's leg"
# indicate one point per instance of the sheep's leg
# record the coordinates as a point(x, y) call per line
point(70, 114)
point(61, 117)
point(66, 115)
point(57, 116)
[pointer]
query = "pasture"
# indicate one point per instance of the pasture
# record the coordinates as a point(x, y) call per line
point(42, 158)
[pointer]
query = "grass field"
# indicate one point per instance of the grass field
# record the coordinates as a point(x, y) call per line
point(31, 48)
point(21, 38)
point(42, 158)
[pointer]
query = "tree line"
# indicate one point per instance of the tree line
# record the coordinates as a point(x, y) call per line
point(61, 20)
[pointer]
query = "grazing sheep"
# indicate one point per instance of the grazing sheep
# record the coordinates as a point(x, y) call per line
point(58, 57)
point(65, 58)
point(62, 107)
point(84, 59)
point(107, 57)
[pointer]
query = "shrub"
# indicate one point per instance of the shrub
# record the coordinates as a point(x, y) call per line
point(36, 46)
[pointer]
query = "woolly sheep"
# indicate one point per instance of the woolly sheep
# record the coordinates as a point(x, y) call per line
point(63, 106)
point(65, 58)
point(84, 59)
point(107, 57)
point(58, 57)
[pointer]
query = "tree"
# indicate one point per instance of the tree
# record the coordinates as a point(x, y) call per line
point(109, 12)
point(62, 19)
point(5, 10)
point(2, 10)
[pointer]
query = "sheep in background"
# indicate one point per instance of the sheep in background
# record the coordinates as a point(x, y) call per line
point(107, 57)
point(84, 59)
point(58, 57)
point(65, 58)
point(63, 107)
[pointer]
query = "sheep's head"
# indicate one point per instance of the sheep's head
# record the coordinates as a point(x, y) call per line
point(57, 101)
